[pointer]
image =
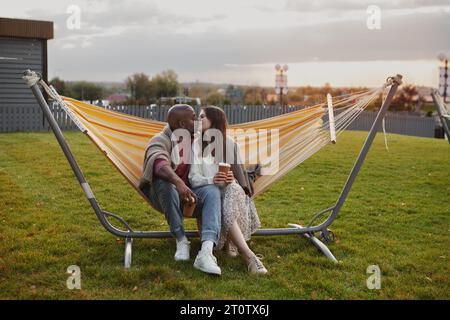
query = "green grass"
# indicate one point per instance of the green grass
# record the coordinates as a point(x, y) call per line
point(396, 216)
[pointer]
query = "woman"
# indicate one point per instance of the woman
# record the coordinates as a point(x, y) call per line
point(239, 216)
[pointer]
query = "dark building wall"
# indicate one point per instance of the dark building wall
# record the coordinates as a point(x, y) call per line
point(17, 55)
point(23, 45)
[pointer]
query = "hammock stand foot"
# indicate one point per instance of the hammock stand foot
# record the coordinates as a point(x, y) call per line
point(128, 252)
point(322, 247)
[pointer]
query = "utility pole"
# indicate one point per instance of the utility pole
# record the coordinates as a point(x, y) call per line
point(443, 78)
point(281, 81)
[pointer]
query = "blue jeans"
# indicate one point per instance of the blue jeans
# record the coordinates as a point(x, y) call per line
point(165, 198)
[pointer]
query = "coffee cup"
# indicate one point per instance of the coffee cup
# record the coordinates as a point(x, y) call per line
point(223, 167)
point(188, 208)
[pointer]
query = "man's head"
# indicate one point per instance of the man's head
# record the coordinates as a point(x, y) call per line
point(181, 116)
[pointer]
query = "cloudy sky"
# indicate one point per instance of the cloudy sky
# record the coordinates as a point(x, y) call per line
point(240, 41)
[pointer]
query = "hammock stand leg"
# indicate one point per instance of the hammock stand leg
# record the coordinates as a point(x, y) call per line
point(439, 107)
point(128, 252)
point(307, 232)
point(317, 243)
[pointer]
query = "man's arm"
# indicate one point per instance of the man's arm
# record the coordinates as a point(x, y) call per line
point(168, 174)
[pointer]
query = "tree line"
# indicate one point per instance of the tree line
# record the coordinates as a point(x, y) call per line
point(80, 90)
point(144, 90)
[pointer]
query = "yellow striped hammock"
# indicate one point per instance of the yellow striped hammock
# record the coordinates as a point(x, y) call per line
point(123, 139)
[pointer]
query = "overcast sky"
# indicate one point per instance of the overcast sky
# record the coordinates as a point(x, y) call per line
point(240, 41)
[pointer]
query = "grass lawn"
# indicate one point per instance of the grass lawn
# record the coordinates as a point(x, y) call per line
point(397, 216)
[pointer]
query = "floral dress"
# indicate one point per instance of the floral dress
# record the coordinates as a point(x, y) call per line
point(236, 205)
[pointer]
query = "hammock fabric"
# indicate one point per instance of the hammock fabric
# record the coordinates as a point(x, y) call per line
point(123, 139)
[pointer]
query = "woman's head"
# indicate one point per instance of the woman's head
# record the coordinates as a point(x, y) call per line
point(214, 118)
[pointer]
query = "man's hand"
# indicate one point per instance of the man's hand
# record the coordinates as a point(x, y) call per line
point(230, 177)
point(186, 194)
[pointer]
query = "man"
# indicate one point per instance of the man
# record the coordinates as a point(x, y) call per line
point(165, 182)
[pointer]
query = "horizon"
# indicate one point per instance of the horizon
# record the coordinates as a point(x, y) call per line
point(345, 43)
point(224, 84)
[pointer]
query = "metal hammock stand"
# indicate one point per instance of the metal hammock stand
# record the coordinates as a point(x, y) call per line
point(442, 113)
point(308, 232)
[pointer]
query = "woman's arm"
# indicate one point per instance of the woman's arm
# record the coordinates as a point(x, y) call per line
point(240, 172)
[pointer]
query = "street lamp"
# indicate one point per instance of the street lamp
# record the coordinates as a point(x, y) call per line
point(443, 74)
point(281, 81)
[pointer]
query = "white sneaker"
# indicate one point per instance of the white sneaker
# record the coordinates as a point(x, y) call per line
point(256, 266)
point(183, 248)
point(206, 262)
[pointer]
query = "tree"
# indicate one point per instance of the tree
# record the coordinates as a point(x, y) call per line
point(327, 88)
point(294, 98)
point(83, 90)
point(234, 94)
point(253, 96)
point(145, 90)
point(406, 99)
point(215, 99)
point(140, 88)
point(165, 84)
point(60, 86)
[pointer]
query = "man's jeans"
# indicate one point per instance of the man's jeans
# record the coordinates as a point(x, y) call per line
point(165, 198)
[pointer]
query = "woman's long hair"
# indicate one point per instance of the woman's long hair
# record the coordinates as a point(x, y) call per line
point(219, 121)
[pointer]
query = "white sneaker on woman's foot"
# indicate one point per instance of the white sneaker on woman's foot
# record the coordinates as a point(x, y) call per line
point(182, 253)
point(206, 262)
point(256, 266)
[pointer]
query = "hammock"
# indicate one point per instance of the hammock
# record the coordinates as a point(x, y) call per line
point(123, 139)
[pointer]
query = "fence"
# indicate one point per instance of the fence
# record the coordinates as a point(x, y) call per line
point(30, 118)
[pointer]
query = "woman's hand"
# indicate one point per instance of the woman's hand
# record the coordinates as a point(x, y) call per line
point(230, 177)
point(220, 178)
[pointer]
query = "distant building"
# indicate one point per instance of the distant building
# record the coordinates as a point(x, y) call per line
point(180, 100)
point(221, 91)
point(272, 97)
point(425, 94)
point(117, 98)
